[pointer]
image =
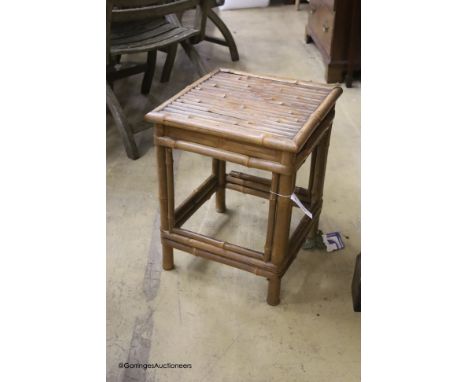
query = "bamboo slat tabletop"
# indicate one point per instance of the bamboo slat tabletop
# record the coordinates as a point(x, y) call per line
point(267, 111)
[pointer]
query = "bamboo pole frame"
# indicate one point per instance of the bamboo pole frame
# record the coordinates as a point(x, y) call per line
point(221, 189)
point(262, 187)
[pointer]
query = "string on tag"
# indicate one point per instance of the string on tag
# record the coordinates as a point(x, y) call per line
point(296, 200)
point(283, 196)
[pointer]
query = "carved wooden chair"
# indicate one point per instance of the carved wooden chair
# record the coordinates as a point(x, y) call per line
point(144, 26)
point(187, 20)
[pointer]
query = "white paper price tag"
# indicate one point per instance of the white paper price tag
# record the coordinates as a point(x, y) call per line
point(296, 200)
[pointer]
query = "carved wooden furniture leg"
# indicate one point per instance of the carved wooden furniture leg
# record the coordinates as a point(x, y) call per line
point(194, 57)
point(228, 39)
point(169, 63)
point(121, 123)
point(149, 73)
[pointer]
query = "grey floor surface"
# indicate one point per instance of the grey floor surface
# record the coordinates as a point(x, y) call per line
point(207, 314)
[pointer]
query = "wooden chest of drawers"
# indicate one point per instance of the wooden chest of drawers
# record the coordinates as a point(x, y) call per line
point(335, 27)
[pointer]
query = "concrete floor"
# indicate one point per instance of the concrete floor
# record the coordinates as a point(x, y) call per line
point(207, 314)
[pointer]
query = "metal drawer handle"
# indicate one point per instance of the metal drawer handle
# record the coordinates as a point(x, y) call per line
point(312, 10)
point(325, 27)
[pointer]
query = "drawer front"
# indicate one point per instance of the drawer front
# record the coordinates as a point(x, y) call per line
point(321, 22)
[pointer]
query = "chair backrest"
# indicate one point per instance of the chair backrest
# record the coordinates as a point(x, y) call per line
point(121, 11)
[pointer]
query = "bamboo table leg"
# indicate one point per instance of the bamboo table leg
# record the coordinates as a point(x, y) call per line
point(167, 251)
point(219, 170)
point(271, 217)
point(318, 168)
point(281, 227)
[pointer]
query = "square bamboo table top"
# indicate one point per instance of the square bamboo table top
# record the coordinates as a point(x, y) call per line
point(266, 111)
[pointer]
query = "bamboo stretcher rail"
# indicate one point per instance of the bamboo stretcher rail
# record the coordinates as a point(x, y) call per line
point(301, 194)
point(228, 261)
point(247, 190)
point(262, 185)
point(251, 178)
point(245, 160)
point(219, 251)
point(218, 243)
point(195, 200)
point(248, 183)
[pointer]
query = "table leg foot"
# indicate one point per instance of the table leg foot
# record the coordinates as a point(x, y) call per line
point(274, 286)
point(168, 258)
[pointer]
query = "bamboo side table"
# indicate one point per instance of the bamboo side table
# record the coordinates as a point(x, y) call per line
point(257, 121)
